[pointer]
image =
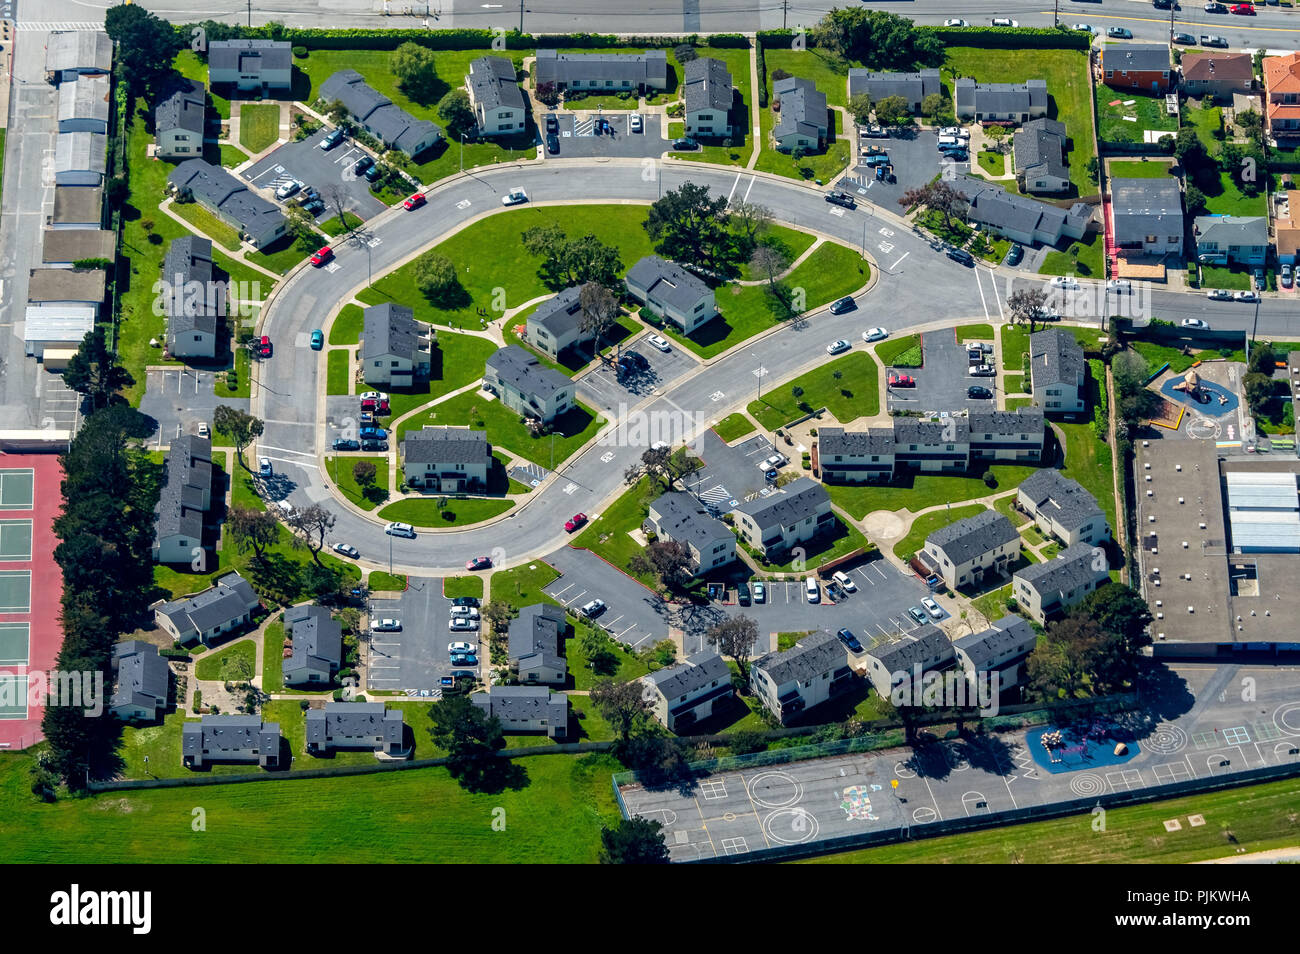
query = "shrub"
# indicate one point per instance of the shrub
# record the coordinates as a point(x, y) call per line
point(304, 705)
point(198, 700)
point(300, 52)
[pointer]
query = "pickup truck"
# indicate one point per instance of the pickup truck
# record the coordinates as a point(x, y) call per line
point(1212, 40)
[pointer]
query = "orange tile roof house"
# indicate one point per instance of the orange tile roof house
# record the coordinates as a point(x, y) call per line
point(1288, 229)
point(1282, 95)
point(1217, 74)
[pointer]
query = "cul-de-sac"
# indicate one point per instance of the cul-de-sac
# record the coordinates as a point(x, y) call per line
point(460, 433)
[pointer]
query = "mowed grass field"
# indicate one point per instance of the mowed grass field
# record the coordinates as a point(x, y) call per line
point(416, 815)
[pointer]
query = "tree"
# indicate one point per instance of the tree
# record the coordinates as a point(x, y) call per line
point(598, 310)
point(363, 472)
point(1133, 400)
point(882, 40)
point(470, 738)
point(588, 259)
point(498, 613)
point(435, 277)
point(622, 704)
point(413, 66)
point(1028, 306)
point(1194, 198)
point(681, 465)
point(769, 261)
point(1259, 391)
point(548, 94)
point(751, 220)
point(860, 108)
point(241, 426)
point(1124, 618)
point(338, 113)
point(654, 463)
point(941, 197)
point(457, 113)
point(252, 529)
point(1190, 150)
point(690, 226)
point(310, 524)
point(334, 196)
point(893, 111)
point(1060, 665)
point(685, 53)
point(667, 560)
point(932, 106)
point(1263, 359)
point(635, 841)
point(735, 638)
point(301, 224)
point(146, 46)
point(94, 371)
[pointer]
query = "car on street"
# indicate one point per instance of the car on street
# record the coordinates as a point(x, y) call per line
point(875, 334)
point(849, 640)
point(1216, 7)
point(1119, 33)
point(412, 202)
point(347, 550)
point(837, 346)
point(373, 445)
point(1083, 27)
point(321, 256)
point(1219, 294)
point(842, 198)
point(1120, 286)
point(204, 430)
point(844, 304)
point(461, 647)
point(1064, 281)
point(1195, 323)
point(553, 144)
point(978, 393)
point(362, 164)
point(264, 467)
point(317, 339)
point(593, 609)
point(1243, 10)
point(759, 589)
point(1286, 275)
point(1212, 39)
point(1015, 253)
point(331, 139)
point(343, 444)
point(1003, 22)
point(465, 601)
point(955, 22)
point(396, 529)
point(660, 343)
point(469, 612)
point(844, 580)
point(634, 123)
point(962, 256)
point(1184, 39)
point(575, 522)
point(514, 197)
point(264, 346)
point(1246, 296)
point(902, 381)
point(917, 614)
point(1166, 4)
point(933, 608)
point(479, 563)
point(287, 189)
point(371, 432)
point(386, 626)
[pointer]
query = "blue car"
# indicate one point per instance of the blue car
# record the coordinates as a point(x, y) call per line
point(464, 659)
point(370, 432)
point(317, 340)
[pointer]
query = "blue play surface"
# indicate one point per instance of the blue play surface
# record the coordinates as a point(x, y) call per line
point(1213, 408)
point(1082, 748)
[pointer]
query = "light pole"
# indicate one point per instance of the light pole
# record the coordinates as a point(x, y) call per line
point(462, 150)
point(759, 371)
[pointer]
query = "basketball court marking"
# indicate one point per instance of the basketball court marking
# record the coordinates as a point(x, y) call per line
point(975, 803)
point(1219, 763)
point(713, 788)
point(1287, 717)
point(15, 644)
point(1286, 752)
point(16, 488)
point(13, 696)
point(1171, 772)
point(15, 541)
point(735, 846)
point(774, 790)
point(1128, 779)
point(15, 591)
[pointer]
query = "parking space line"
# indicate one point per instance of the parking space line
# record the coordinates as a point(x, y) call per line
point(980, 285)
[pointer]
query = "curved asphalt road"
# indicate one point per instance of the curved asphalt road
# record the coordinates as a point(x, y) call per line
point(916, 286)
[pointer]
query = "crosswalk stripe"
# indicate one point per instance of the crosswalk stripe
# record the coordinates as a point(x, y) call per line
point(53, 26)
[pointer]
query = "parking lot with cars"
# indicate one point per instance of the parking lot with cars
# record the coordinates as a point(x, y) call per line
point(730, 473)
point(306, 162)
point(577, 137)
point(416, 656)
point(914, 159)
point(943, 383)
point(182, 398)
point(606, 386)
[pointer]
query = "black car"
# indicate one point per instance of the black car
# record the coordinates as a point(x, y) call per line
point(465, 601)
point(362, 164)
point(552, 123)
point(844, 304)
point(373, 445)
point(963, 256)
point(955, 154)
point(1185, 39)
point(373, 173)
point(1015, 254)
point(842, 198)
point(849, 640)
point(978, 393)
point(342, 444)
point(552, 143)
point(686, 142)
point(742, 594)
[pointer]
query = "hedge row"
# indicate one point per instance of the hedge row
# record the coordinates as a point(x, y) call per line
point(776, 39)
point(1010, 38)
point(762, 75)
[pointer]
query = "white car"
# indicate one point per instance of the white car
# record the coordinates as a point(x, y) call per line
point(1003, 21)
point(287, 189)
point(469, 612)
point(1064, 281)
point(1121, 286)
point(386, 626)
point(837, 346)
point(514, 197)
point(954, 22)
point(933, 608)
point(812, 590)
point(347, 550)
point(657, 341)
point(776, 460)
point(634, 122)
point(203, 429)
point(1083, 27)
point(844, 580)
point(379, 396)
point(400, 530)
point(264, 467)
point(1247, 296)
point(875, 334)
point(1219, 294)
point(461, 648)
point(593, 609)
point(1195, 323)
point(459, 624)
point(957, 131)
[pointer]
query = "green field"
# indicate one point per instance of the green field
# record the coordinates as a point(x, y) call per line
point(607, 535)
point(792, 241)
point(461, 511)
point(1149, 111)
point(994, 163)
point(1230, 200)
point(205, 223)
point(454, 586)
point(1138, 169)
point(234, 663)
point(456, 361)
point(891, 351)
point(1091, 463)
point(522, 585)
point(346, 329)
point(273, 657)
point(979, 332)
point(382, 581)
point(855, 394)
point(339, 471)
point(918, 491)
point(825, 166)
point(1208, 121)
point(259, 125)
point(338, 373)
point(733, 427)
point(927, 523)
point(1068, 83)
point(1083, 258)
point(334, 227)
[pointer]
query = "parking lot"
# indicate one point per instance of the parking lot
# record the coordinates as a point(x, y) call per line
point(60, 405)
point(915, 158)
point(941, 384)
point(416, 656)
point(730, 473)
point(604, 388)
point(579, 141)
point(635, 615)
point(180, 399)
point(309, 164)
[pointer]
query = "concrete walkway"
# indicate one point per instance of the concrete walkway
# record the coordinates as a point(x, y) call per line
point(755, 114)
point(241, 255)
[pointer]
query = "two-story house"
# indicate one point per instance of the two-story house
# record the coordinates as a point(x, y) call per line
point(802, 118)
point(708, 95)
point(557, 324)
point(447, 459)
point(495, 97)
point(251, 65)
point(913, 87)
point(377, 115)
point(536, 645)
point(680, 517)
point(396, 350)
point(1039, 153)
point(1058, 372)
point(528, 387)
point(1046, 590)
point(1021, 218)
point(1062, 508)
point(1141, 67)
point(1219, 76)
point(1000, 102)
point(900, 663)
point(357, 725)
point(230, 738)
point(682, 695)
point(317, 641)
point(775, 524)
point(1147, 216)
point(143, 679)
point(226, 605)
point(1282, 97)
point(526, 709)
point(603, 72)
point(671, 292)
point(965, 552)
point(258, 221)
point(794, 680)
point(180, 119)
point(183, 501)
point(1000, 648)
point(193, 304)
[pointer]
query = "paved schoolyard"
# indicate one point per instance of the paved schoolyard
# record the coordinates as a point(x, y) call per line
point(179, 399)
point(417, 656)
point(1195, 726)
point(578, 141)
point(308, 163)
point(942, 382)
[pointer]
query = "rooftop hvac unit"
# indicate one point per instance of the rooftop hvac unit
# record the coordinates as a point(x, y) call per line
point(1180, 500)
point(1151, 493)
point(1202, 524)
point(1161, 635)
point(1148, 478)
point(1191, 609)
point(1184, 544)
point(1160, 615)
point(1151, 519)
point(1146, 443)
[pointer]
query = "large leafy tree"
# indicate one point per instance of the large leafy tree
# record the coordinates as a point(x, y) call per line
point(878, 39)
point(456, 112)
point(735, 638)
point(252, 529)
point(435, 276)
point(599, 310)
point(634, 841)
point(893, 111)
point(146, 46)
point(241, 426)
point(622, 704)
point(668, 560)
point(470, 738)
point(413, 66)
point(94, 371)
point(689, 225)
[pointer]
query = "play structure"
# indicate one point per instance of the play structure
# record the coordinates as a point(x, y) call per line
point(1082, 745)
point(1193, 390)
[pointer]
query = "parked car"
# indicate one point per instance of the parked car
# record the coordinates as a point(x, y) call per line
point(686, 142)
point(373, 396)
point(1195, 323)
point(461, 647)
point(373, 173)
point(844, 580)
point(875, 334)
point(875, 132)
point(1065, 281)
point(479, 563)
point(264, 467)
point(776, 460)
point(933, 608)
point(386, 626)
point(362, 164)
point(1214, 40)
point(842, 198)
point(1120, 286)
point(287, 189)
point(462, 624)
point(844, 304)
point(634, 122)
point(660, 343)
point(1015, 253)
point(317, 339)
point(979, 393)
point(373, 445)
point(1219, 294)
point(264, 346)
point(396, 529)
point(552, 123)
point(1246, 296)
point(468, 612)
point(1286, 276)
point(760, 591)
point(962, 256)
point(593, 609)
point(958, 132)
point(204, 431)
point(917, 614)
point(367, 417)
point(1243, 10)
point(1215, 7)
point(849, 640)
point(371, 432)
point(465, 601)
point(414, 201)
point(955, 22)
point(321, 256)
point(1260, 283)
point(742, 593)
point(837, 346)
point(552, 144)
point(1003, 22)
point(575, 522)
point(1184, 39)
point(347, 550)
point(343, 444)
point(902, 381)
point(514, 197)
point(1119, 33)
point(331, 139)
point(983, 371)
point(464, 659)
point(811, 590)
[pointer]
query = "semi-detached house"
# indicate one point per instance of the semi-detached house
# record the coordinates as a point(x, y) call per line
point(258, 221)
point(1021, 218)
point(913, 87)
point(1000, 649)
point(251, 64)
point(898, 664)
point(1058, 372)
point(226, 605)
point(774, 524)
point(183, 501)
point(1046, 590)
point(687, 693)
point(526, 709)
point(495, 97)
point(965, 552)
point(708, 94)
point(317, 641)
point(395, 348)
point(230, 738)
point(527, 386)
point(1062, 508)
point(680, 517)
point(356, 725)
point(1000, 102)
point(452, 460)
point(671, 292)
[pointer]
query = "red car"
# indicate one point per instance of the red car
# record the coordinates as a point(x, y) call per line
point(264, 347)
point(902, 381)
point(376, 407)
point(574, 522)
point(414, 202)
point(1243, 9)
point(322, 256)
point(479, 563)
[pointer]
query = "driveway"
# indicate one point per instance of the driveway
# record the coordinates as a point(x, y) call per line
point(941, 384)
point(579, 141)
point(417, 656)
point(309, 164)
point(181, 398)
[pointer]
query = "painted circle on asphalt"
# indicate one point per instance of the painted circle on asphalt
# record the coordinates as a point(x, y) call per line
point(774, 790)
point(1287, 717)
point(1203, 428)
point(956, 758)
point(1167, 739)
point(902, 771)
point(791, 826)
point(924, 815)
point(1088, 785)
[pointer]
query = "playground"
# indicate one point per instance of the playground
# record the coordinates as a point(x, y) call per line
point(1194, 390)
point(1074, 747)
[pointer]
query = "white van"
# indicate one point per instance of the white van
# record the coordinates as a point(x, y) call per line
point(950, 141)
point(814, 592)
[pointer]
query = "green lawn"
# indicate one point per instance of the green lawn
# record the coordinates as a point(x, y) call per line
point(454, 586)
point(452, 67)
point(273, 657)
point(994, 163)
point(1139, 169)
point(919, 491)
point(259, 125)
point(891, 350)
point(232, 156)
point(733, 427)
point(339, 471)
point(1149, 112)
point(843, 539)
point(1158, 354)
point(1012, 403)
point(974, 333)
point(1004, 506)
point(1208, 122)
point(1014, 383)
point(346, 329)
point(338, 373)
point(607, 535)
point(1083, 258)
point(1230, 200)
point(572, 429)
point(927, 523)
point(334, 227)
point(492, 258)
point(855, 394)
point(461, 511)
point(384, 582)
point(191, 67)
point(522, 585)
point(283, 254)
point(1068, 83)
point(828, 72)
point(234, 663)
point(457, 360)
point(1015, 345)
point(792, 241)
point(825, 165)
point(737, 61)
point(1091, 463)
point(205, 223)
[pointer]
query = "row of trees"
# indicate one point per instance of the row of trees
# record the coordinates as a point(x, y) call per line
point(879, 40)
point(1096, 647)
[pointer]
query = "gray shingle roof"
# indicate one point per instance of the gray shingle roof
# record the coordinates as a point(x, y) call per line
point(1055, 357)
point(993, 205)
point(85, 97)
point(803, 108)
point(227, 599)
point(1040, 149)
point(142, 675)
point(189, 259)
point(524, 372)
point(974, 536)
point(810, 657)
point(184, 108)
point(492, 81)
point(1136, 57)
point(1023, 420)
point(249, 56)
point(218, 189)
point(649, 68)
point(1060, 498)
point(538, 629)
point(1071, 568)
point(707, 85)
point(560, 315)
point(1250, 231)
point(80, 152)
point(684, 519)
point(187, 479)
point(798, 500)
point(521, 704)
point(1142, 207)
point(972, 97)
point(316, 637)
point(220, 734)
point(691, 675)
point(982, 647)
point(377, 113)
point(917, 646)
point(913, 87)
point(354, 723)
point(390, 329)
point(909, 430)
point(832, 441)
point(446, 445)
point(668, 282)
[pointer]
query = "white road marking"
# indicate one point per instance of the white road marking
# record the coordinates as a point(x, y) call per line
point(887, 233)
point(899, 262)
point(284, 450)
point(733, 186)
point(836, 211)
point(980, 286)
point(752, 180)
